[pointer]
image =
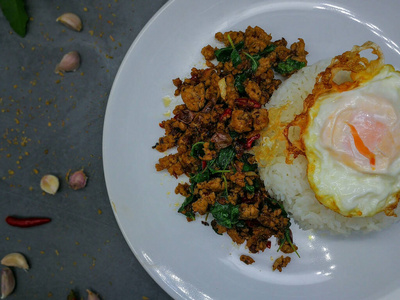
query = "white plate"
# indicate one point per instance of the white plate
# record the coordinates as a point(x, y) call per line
point(189, 260)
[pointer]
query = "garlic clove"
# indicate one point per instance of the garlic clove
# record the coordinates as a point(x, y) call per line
point(77, 180)
point(15, 260)
point(7, 282)
point(69, 63)
point(92, 296)
point(49, 184)
point(72, 21)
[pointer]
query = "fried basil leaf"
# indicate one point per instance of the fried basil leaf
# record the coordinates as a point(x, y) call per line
point(225, 157)
point(226, 215)
point(289, 66)
point(197, 150)
point(188, 213)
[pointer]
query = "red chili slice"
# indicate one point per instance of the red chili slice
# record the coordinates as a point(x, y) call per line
point(226, 114)
point(251, 140)
point(247, 103)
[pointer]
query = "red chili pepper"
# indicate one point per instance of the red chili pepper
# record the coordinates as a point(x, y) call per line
point(226, 114)
point(247, 103)
point(26, 222)
point(269, 244)
point(203, 164)
point(251, 140)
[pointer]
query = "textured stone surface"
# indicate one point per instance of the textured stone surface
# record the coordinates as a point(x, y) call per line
point(51, 124)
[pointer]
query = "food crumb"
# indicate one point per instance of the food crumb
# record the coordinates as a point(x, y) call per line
point(166, 100)
point(280, 263)
point(247, 259)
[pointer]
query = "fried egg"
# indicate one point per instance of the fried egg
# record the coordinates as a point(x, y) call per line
point(350, 135)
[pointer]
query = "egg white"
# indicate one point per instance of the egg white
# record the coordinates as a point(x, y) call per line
point(355, 189)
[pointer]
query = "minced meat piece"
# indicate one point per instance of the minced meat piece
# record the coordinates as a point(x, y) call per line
point(253, 90)
point(260, 119)
point(194, 96)
point(208, 52)
point(248, 211)
point(256, 39)
point(247, 259)
point(281, 262)
point(241, 121)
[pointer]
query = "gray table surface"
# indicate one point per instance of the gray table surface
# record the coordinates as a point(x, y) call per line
point(53, 124)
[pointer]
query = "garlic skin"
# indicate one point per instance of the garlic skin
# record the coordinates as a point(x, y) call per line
point(70, 20)
point(92, 296)
point(7, 282)
point(69, 63)
point(49, 184)
point(15, 260)
point(77, 180)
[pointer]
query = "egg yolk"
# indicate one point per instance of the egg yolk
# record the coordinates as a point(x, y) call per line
point(361, 133)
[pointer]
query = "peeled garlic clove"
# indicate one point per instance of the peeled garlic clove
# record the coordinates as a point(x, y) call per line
point(92, 296)
point(70, 20)
point(15, 260)
point(77, 180)
point(69, 63)
point(7, 282)
point(49, 184)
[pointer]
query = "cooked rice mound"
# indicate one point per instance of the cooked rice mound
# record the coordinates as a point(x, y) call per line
point(288, 182)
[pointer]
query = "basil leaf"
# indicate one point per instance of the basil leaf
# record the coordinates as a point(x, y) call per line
point(15, 13)
point(201, 176)
point(223, 54)
point(249, 188)
point(254, 62)
point(225, 157)
point(247, 167)
point(267, 50)
point(197, 150)
point(239, 46)
point(234, 134)
point(240, 79)
point(185, 203)
point(289, 66)
point(235, 57)
point(226, 215)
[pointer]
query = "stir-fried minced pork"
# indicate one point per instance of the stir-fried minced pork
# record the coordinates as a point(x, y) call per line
point(215, 129)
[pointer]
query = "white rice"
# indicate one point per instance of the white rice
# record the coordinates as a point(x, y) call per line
point(288, 182)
